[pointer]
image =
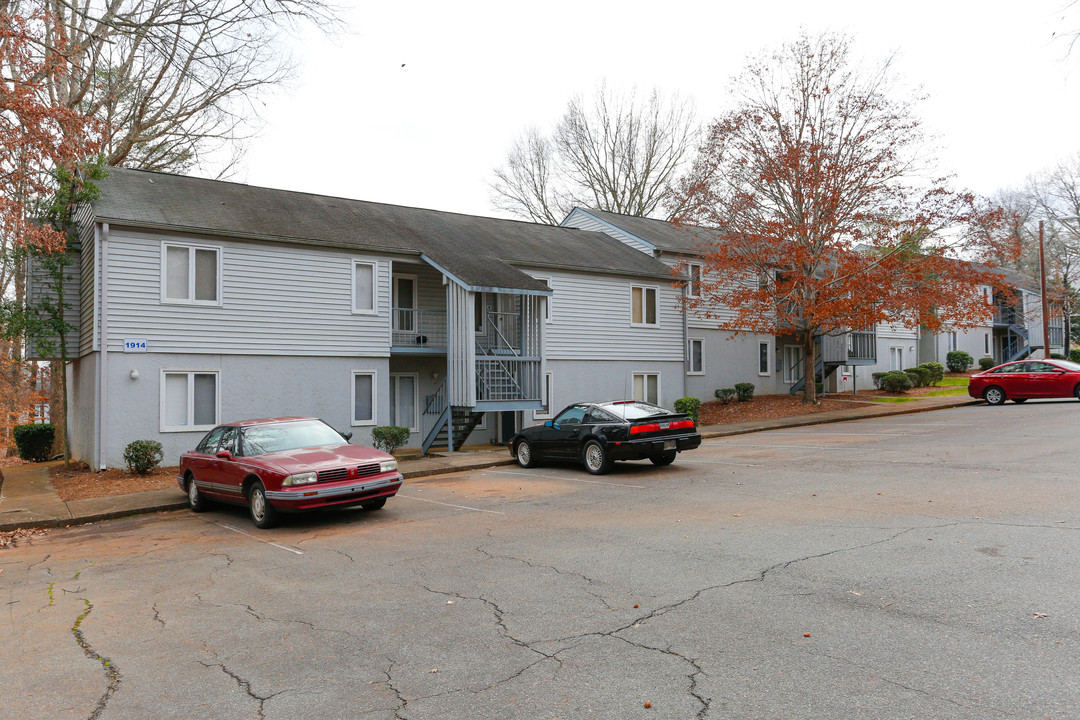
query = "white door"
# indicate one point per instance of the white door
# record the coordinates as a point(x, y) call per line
point(403, 401)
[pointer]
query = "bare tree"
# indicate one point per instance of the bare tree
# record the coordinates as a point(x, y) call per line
point(615, 153)
point(172, 80)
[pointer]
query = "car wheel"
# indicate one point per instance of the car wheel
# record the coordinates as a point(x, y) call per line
point(994, 395)
point(195, 500)
point(664, 459)
point(1019, 400)
point(375, 504)
point(524, 454)
point(1076, 392)
point(595, 458)
point(263, 513)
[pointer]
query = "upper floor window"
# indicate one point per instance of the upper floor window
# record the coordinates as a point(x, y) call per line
point(693, 287)
point(642, 305)
point(191, 274)
point(364, 287)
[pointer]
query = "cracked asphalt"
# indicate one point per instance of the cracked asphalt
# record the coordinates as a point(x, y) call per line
point(918, 566)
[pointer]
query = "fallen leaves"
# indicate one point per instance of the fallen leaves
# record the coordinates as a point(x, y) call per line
point(11, 538)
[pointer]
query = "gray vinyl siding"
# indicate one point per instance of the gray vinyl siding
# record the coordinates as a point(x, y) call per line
point(430, 291)
point(590, 319)
point(39, 287)
point(275, 300)
point(584, 221)
point(88, 280)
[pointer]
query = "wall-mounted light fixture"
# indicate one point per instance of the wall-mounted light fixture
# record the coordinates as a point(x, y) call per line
point(134, 374)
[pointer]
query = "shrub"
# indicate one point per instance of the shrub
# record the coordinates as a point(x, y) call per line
point(986, 363)
point(958, 360)
point(895, 381)
point(689, 405)
point(819, 389)
point(937, 371)
point(744, 391)
point(142, 456)
point(920, 376)
point(725, 395)
point(34, 441)
point(389, 438)
point(876, 377)
point(1074, 355)
point(1057, 356)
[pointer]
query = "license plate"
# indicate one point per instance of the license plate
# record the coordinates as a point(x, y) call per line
point(669, 444)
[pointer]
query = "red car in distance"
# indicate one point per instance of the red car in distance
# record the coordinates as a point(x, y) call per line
point(1026, 379)
point(287, 464)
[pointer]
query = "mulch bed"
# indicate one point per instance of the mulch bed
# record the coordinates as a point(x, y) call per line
point(78, 482)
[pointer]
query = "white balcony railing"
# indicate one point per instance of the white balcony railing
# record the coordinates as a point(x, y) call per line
point(418, 328)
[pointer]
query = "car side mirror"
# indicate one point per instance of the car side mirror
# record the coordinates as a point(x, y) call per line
point(549, 424)
point(347, 436)
point(223, 454)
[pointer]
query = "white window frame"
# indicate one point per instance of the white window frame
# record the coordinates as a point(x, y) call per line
point(691, 282)
point(952, 340)
point(190, 400)
point(480, 331)
point(191, 248)
point(374, 286)
point(986, 343)
point(549, 306)
point(690, 356)
point(482, 425)
point(374, 398)
point(549, 388)
point(644, 305)
point(790, 378)
point(768, 358)
point(414, 424)
point(900, 354)
point(645, 384)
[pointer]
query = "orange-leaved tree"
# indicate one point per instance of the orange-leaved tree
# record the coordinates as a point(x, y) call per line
point(41, 140)
point(812, 218)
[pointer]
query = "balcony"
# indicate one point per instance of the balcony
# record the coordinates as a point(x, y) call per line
point(418, 330)
point(1008, 315)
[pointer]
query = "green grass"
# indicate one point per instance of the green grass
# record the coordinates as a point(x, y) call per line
point(950, 391)
point(954, 382)
point(894, 399)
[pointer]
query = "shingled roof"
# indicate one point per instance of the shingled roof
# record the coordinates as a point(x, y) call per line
point(477, 251)
point(661, 234)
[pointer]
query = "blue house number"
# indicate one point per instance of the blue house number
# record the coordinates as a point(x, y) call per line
point(134, 345)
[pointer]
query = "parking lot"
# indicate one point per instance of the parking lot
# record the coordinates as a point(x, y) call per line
point(917, 566)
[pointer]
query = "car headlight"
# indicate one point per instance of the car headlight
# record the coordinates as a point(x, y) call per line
point(300, 479)
point(387, 466)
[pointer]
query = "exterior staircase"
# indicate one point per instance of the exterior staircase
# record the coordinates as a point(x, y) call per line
point(462, 420)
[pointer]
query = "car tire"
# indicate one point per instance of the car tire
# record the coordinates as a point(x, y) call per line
point(1019, 400)
point(195, 499)
point(994, 395)
point(1076, 392)
point(523, 453)
point(376, 504)
point(262, 512)
point(595, 458)
point(664, 458)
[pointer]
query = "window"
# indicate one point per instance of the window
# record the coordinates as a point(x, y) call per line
point(364, 287)
point(404, 303)
point(896, 358)
point(189, 400)
point(793, 364)
point(694, 355)
point(403, 401)
point(986, 343)
point(190, 274)
point(363, 398)
point(764, 351)
point(547, 302)
point(952, 340)
point(480, 313)
point(647, 387)
point(642, 305)
point(693, 288)
point(546, 411)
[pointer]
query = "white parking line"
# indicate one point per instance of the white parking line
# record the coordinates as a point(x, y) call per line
point(796, 447)
point(459, 507)
point(254, 537)
point(560, 477)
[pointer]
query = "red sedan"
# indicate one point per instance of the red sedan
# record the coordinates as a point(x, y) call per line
point(1026, 379)
point(285, 465)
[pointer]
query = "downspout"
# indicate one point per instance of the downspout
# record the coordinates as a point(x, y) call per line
point(103, 366)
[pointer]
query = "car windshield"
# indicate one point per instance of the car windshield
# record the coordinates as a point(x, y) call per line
point(633, 410)
point(1068, 365)
point(276, 437)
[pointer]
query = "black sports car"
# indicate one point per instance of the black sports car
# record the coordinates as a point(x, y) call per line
point(597, 434)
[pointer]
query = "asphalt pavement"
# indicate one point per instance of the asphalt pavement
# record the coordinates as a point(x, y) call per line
point(27, 498)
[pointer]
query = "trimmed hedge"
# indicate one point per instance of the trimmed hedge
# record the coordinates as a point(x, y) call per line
point(142, 456)
point(937, 371)
point(744, 391)
point(725, 395)
point(958, 360)
point(1074, 355)
point(389, 438)
point(34, 441)
point(920, 376)
point(986, 363)
point(689, 405)
point(876, 377)
point(896, 381)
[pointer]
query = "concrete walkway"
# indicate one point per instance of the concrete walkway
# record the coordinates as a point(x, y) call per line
point(27, 498)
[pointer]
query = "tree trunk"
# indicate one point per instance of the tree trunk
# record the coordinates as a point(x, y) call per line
point(58, 406)
point(809, 365)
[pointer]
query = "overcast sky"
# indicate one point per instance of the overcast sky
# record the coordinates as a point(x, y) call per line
point(417, 102)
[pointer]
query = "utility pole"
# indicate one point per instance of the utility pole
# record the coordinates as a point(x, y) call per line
point(1042, 286)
